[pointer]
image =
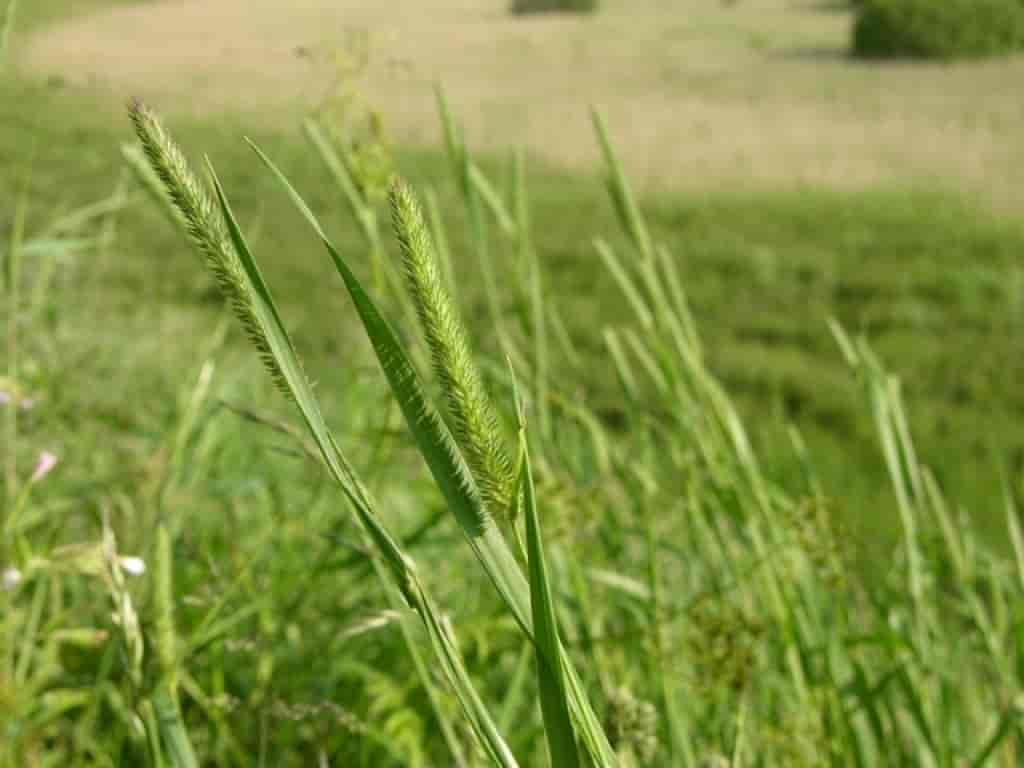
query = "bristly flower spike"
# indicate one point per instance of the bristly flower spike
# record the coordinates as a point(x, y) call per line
point(475, 424)
point(204, 225)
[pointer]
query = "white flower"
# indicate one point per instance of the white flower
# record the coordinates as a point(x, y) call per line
point(24, 403)
point(10, 579)
point(133, 566)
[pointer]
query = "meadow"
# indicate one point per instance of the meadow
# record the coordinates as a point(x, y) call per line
point(759, 548)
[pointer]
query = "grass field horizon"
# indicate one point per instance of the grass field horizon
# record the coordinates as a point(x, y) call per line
point(755, 96)
point(157, 409)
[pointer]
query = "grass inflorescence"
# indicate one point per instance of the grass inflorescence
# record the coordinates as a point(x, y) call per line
point(475, 421)
point(204, 225)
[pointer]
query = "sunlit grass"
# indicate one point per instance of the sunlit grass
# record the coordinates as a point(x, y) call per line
point(757, 544)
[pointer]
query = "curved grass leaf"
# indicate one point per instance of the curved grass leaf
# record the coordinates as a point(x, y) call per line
point(173, 736)
point(622, 197)
point(550, 674)
point(399, 564)
point(452, 475)
point(216, 232)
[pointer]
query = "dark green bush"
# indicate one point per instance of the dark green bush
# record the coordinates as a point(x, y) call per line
point(942, 29)
point(543, 6)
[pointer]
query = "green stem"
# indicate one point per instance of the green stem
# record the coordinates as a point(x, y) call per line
point(13, 279)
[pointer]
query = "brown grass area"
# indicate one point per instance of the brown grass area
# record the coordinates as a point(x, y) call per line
point(698, 94)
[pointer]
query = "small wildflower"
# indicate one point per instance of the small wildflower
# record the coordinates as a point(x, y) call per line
point(11, 398)
point(47, 461)
point(10, 579)
point(133, 566)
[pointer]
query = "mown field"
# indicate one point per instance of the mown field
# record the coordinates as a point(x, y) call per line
point(688, 622)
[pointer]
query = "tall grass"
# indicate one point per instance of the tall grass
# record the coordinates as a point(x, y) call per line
point(542, 583)
point(7, 19)
point(240, 279)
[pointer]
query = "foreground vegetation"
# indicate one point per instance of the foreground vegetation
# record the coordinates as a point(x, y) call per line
point(774, 579)
point(711, 612)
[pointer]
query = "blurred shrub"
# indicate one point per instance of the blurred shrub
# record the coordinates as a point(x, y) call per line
point(942, 29)
point(542, 6)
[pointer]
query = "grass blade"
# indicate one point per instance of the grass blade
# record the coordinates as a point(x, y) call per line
point(166, 705)
point(492, 200)
point(400, 565)
point(6, 29)
point(622, 196)
point(625, 283)
point(536, 300)
point(1014, 527)
point(219, 237)
point(439, 235)
point(550, 675)
point(173, 736)
point(451, 473)
point(435, 442)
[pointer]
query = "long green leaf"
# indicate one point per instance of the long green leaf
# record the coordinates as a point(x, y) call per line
point(401, 567)
point(173, 736)
point(450, 473)
point(625, 282)
point(432, 436)
point(6, 28)
point(550, 675)
point(622, 196)
point(528, 255)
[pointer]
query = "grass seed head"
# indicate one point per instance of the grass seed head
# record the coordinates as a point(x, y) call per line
point(204, 225)
point(475, 422)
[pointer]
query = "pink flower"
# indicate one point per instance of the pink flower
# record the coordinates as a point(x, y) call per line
point(47, 461)
point(5, 397)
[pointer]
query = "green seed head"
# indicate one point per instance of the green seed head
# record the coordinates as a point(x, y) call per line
point(474, 420)
point(204, 225)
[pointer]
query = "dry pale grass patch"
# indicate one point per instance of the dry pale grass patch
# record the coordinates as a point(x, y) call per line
point(700, 94)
